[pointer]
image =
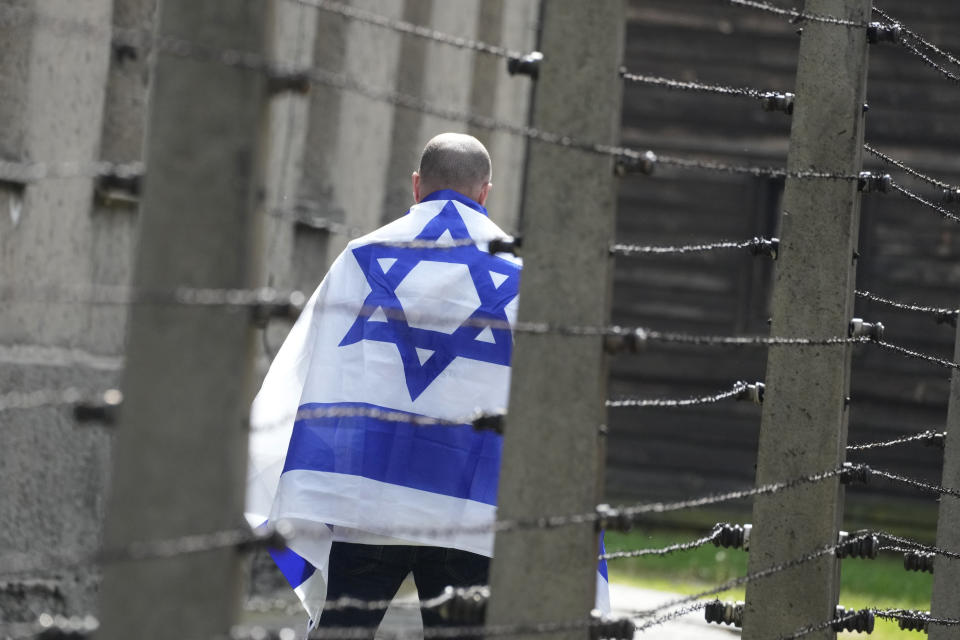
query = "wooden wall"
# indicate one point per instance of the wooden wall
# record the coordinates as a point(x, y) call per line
point(906, 251)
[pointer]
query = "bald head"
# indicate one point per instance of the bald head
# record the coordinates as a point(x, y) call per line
point(453, 161)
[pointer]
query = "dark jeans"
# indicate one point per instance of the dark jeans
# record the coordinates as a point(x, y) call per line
point(374, 572)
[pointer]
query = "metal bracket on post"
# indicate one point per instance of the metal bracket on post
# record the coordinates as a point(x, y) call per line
point(527, 65)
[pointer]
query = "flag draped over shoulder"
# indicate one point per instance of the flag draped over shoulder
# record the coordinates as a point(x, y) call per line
point(412, 321)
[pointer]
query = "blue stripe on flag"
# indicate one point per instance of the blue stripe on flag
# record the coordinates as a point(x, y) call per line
point(602, 566)
point(293, 567)
point(454, 461)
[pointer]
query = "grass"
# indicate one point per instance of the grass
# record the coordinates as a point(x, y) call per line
point(880, 584)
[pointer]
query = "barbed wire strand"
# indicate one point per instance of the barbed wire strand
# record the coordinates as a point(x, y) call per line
point(906, 614)
point(753, 576)
point(737, 389)
point(932, 488)
point(927, 60)
point(258, 63)
point(926, 43)
point(926, 435)
point(916, 355)
point(947, 215)
point(409, 28)
point(633, 249)
point(797, 16)
point(663, 551)
point(820, 626)
point(914, 545)
point(937, 311)
point(908, 169)
point(198, 543)
point(688, 85)
point(50, 355)
point(673, 615)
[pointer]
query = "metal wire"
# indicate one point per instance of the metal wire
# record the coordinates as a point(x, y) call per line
point(797, 16)
point(813, 628)
point(916, 355)
point(918, 437)
point(752, 576)
point(29, 172)
point(913, 41)
point(635, 249)
point(756, 171)
point(673, 615)
point(905, 614)
point(409, 28)
point(940, 312)
point(673, 548)
point(947, 215)
point(917, 37)
point(932, 488)
point(258, 63)
point(927, 60)
point(198, 543)
point(685, 85)
point(35, 354)
point(738, 389)
point(918, 546)
point(913, 172)
point(39, 398)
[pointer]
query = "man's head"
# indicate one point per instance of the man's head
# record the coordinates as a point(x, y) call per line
point(453, 161)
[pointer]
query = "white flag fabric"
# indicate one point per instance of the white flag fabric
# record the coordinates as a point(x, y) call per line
point(411, 322)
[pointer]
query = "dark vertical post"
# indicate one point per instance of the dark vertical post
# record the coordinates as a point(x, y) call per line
point(551, 459)
point(180, 456)
point(946, 571)
point(804, 428)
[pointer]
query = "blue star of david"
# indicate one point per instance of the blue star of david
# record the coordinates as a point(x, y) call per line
point(496, 280)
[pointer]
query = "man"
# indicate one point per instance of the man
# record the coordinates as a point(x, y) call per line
point(412, 323)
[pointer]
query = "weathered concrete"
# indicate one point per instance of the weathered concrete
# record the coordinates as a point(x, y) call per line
point(946, 571)
point(52, 473)
point(179, 465)
point(552, 448)
point(804, 427)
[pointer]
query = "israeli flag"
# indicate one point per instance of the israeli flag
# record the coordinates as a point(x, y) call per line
point(412, 322)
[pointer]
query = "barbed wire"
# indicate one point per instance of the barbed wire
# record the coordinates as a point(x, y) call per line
point(689, 85)
point(939, 312)
point(932, 488)
point(408, 28)
point(905, 41)
point(29, 172)
point(910, 170)
point(914, 545)
point(737, 390)
point(198, 543)
point(916, 355)
point(756, 245)
point(673, 615)
point(39, 398)
point(947, 215)
point(663, 551)
point(930, 435)
point(258, 63)
point(820, 626)
point(49, 355)
point(906, 614)
point(759, 574)
point(797, 16)
point(926, 43)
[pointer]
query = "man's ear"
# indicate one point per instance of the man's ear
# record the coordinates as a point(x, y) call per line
point(484, 192)
point(415, 183)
